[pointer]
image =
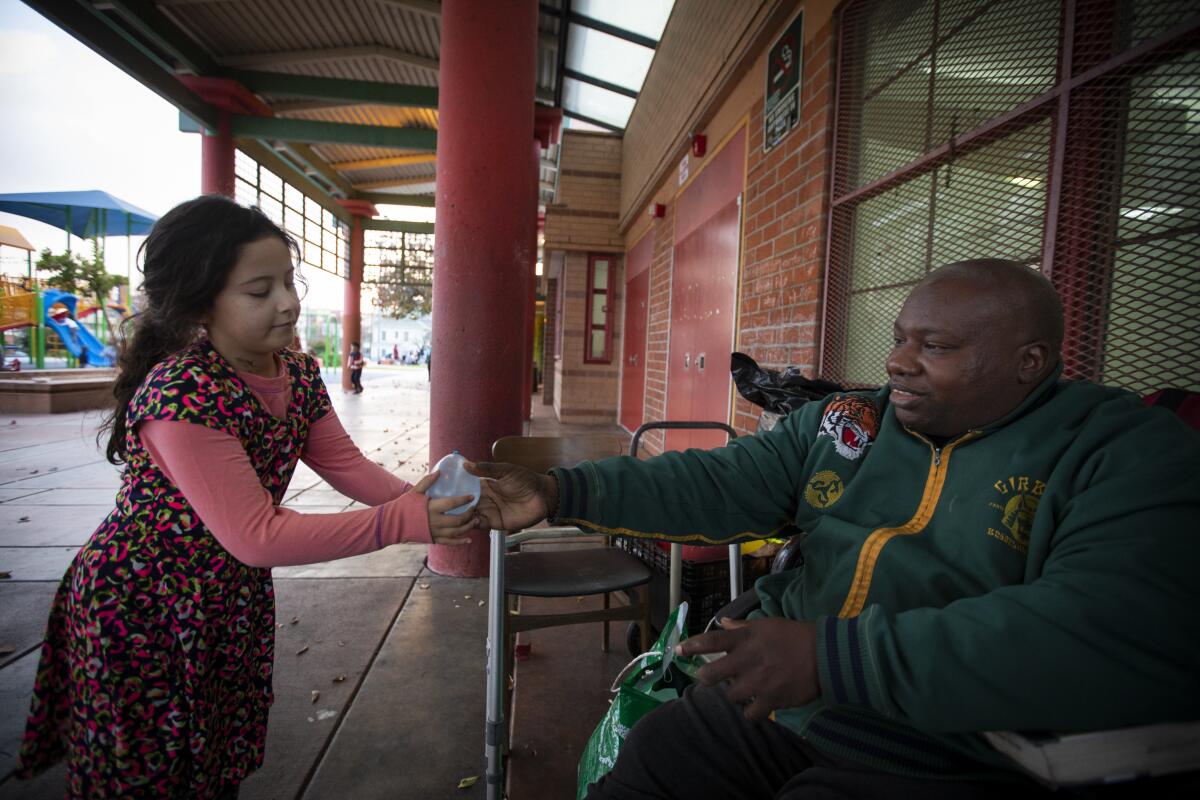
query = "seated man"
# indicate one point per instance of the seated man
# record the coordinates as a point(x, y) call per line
point(989, 548)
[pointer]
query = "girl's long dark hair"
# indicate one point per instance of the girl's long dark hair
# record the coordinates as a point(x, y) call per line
point(186, 260)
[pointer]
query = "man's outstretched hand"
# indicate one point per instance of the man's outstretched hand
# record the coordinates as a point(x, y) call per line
point(771, 663)
point(513, 497)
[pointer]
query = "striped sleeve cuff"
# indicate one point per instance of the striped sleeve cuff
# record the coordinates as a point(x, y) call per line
point(578, 491)
point(846, 670)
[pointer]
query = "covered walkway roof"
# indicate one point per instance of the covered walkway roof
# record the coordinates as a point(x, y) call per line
point(341, 99)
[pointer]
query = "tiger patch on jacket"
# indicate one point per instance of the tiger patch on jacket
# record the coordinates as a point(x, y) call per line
point(852, 423)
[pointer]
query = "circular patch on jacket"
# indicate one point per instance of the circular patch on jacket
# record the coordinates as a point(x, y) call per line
point(824, 489)
point(852, 423)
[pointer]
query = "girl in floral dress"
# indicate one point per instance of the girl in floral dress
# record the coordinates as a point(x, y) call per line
point(155, 674)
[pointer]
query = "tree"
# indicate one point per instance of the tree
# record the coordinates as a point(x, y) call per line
point(81, 277)
point(405, 271)
point(400, 300)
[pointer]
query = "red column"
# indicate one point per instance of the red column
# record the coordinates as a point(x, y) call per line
point(216, 159)
point(484, 217)
point(352, 298)
point(531, 293)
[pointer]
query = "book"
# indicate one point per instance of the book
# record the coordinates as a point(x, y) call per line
point(1122, 754)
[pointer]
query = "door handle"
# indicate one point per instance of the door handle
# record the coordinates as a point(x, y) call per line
point(700, 362)
point(687, 360)
point(633, 359)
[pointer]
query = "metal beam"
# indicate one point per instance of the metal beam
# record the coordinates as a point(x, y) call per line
point(397, 226)
point(165, 34)
point(611, 30)
point(397, 183)
point(131, 57)
point(376, 92)
point(271, 160)
point(430, 8)
point(316, 132)
point(608, 126)
point(309, 159)
point(562, 53)
point(293, 106)
point(594, 81)
point(386, 199)
point(283, 57)
point(391, 161)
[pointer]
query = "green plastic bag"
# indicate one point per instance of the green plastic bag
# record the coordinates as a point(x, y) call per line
point(644, 684)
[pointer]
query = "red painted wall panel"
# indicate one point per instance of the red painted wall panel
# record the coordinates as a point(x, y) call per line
point(633, 364)
point(704, 276)
point(702, 322)
point(721, 180)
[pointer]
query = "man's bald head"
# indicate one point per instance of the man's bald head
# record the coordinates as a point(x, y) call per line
point(972, 341)
point(1013, 290)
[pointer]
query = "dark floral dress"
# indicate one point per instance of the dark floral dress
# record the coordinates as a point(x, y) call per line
point(155, 675)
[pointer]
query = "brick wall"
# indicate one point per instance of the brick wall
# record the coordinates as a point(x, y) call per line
point(586, 393)
point(779, 319)
point(583, 215)
point(783, 231)
point(693, 61)
point(549, 340)
point(659, 326)
point(583, 220)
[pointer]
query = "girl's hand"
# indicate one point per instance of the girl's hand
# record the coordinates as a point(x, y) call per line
point(449, 529)
point(513, 497)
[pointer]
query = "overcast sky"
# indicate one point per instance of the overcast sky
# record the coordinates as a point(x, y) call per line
point(70, 120)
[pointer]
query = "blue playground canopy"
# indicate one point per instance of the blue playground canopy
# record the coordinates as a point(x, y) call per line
point(85, 214)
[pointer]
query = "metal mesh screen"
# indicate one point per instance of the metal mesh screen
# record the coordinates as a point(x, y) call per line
point(961, 133)
point(402, 259)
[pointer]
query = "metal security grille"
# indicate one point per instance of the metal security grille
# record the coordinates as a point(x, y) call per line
point(398, 258)
point(323, 238)
point(1061, 133)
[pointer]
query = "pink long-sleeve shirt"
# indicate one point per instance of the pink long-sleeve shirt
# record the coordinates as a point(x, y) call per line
point(215, 476)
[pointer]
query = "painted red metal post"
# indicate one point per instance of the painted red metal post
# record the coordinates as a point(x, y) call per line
point(484, 218)
point(352, 291)
point(531, 282)
point(352, 298)
point(216, 159)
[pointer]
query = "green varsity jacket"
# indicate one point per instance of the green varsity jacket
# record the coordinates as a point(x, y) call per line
point(1041, 573)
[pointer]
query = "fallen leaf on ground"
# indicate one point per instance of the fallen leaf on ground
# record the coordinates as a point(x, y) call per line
point(480, 602)
point(467, 783)
point(5, 649)
point(423, 585)
point(326, 713)
point(302, 650)
point(466, 597)
point(341, 644)
point(34, 472)
point(295, 620)
point(23, 519)
point(315, 696)
point(339, 679)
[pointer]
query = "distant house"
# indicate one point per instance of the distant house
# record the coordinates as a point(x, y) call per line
point(385, 337)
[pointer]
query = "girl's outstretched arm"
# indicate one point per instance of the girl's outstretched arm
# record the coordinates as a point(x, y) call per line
point(333, 455)
point(215, 476)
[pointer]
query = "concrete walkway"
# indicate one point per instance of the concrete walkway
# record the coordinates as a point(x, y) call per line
point(395, 652)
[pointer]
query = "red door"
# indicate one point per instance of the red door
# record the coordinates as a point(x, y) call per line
point(702, 321)
point(633, 366)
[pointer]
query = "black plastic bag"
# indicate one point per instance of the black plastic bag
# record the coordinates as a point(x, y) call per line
point(778, 392)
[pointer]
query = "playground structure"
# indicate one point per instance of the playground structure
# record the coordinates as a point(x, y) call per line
point(22, 306)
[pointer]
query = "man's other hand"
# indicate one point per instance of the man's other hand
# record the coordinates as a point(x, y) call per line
point(771, 663)
point(513, 497)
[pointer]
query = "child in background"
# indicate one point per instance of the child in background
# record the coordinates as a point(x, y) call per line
point(356, 367)
point(155, 673)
